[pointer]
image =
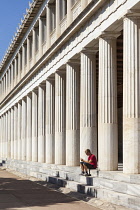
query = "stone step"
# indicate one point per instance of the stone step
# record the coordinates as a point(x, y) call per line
point(94, 191)
point(117, 186)
point(120, 176)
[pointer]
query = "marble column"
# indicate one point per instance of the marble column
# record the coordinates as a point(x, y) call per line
point(15, 130)
point(15, 72)
point(29, 128)
point(4, 135)
point(9, 135)
point(6, 130)
point(107, 103)
point(58, 5)
point(28, 53)
point(69, 13)
point(19, 131)
point(84, 3)
point(40, 36)
point(88, 112)
point(33, 50)
point(72, 113)
point(1, 136)
point(19, 66)
point(34, 125)
point(24, 128)
point(12, 133)
point(60, 117)
point(41, 123)
point(48, 25)
point(50, 120)
point(131, 95)
point(12, 76)
point(23, 60)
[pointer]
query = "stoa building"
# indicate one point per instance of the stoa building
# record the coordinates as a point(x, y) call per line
point(70, 81)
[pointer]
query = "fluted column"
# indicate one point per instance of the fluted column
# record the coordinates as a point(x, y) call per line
point(15, 131)
point(24, 128)
point(34, 125)
point(29, 129)
point(48, 24)
point(40, 36)
point(58, 5)
point(60, 118)
point(9, 135)
point(19, 149)
point(69, 12)
point(6, 130)
point(88, 113)
point(107, 101)
point(50, 120)
point(2, 136)
point(41, 123)
point(72, 113)
point(131, 95)
point(12, 133)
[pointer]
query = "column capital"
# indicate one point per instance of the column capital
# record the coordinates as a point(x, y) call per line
point(110, 34)
point(29, 94)
point(90, 50)
point(73, 62)
point(133, 13)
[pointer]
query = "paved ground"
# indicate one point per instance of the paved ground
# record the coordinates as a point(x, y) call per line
point(19, 193)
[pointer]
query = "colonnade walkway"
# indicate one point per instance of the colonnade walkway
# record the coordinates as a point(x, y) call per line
point(18, 193)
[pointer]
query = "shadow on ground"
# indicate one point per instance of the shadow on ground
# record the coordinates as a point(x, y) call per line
point(17, 193)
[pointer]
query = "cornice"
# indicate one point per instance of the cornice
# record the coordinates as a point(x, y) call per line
point(23, 27)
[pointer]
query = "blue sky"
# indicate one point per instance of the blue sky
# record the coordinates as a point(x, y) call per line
point(11, 11)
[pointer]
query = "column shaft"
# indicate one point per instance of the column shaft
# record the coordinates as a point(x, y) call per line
point(19, 156)
point(33, 51)
point(34, 126)
point(40, 36)
point(131, 96)
point(15, 131)
point(58, 18)
point(88, 115)
point(72, 114)
point(41, 123)
point(69, 12)
point(28, 54)
point(12, 133)
point(29, 129)
point(60, 118)
point(107, 110)
point(50, 121)
point(24, 129)
point(9, 135)
point(48, 25)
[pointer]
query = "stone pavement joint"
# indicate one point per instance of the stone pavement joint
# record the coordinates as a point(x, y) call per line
point(25, 192)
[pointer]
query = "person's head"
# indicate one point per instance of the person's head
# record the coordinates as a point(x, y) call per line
point(88, 152)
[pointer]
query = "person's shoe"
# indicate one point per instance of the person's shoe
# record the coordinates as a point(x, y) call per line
point(86, 174)
point(82, 173)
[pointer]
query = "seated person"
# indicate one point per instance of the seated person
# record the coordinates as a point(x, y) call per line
point(90, 164)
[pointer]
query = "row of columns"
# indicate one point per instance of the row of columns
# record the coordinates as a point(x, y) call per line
point(58, 120)
point(21, 63)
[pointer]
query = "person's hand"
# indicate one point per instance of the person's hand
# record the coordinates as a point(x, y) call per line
point(81, 159)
